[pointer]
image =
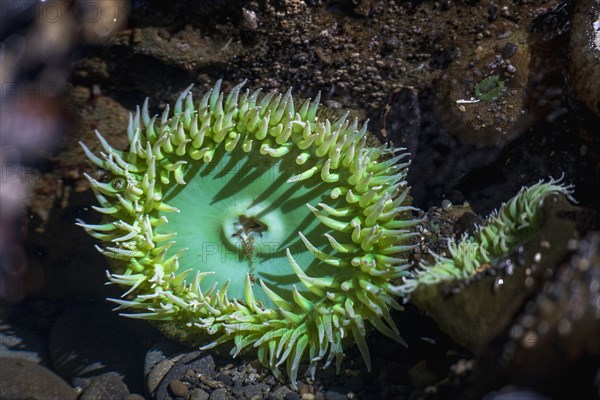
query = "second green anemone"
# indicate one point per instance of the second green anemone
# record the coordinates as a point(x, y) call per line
point(243, 218)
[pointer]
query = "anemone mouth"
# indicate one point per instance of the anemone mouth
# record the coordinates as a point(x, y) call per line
point(244, 219)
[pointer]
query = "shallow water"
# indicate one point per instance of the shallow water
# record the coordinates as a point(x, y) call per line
point(416, 70)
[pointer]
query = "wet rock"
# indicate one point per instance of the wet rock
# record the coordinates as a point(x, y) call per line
point(249, 19)
point(178, 388)
point(92, 340)
point(188, 48)
point(250, 391)
point(292, 396)
point(421, 375)
point(279, 393)
point(159, 352)
point(199, 394)
point(94, 112)
point(156, 374)
point(440, 223)
point(473, 312)
point(303, 388)
point(553, 342)
point(585, 54)
point(219, 394)
point(67, 262)
point(512, 393)
point(199, 363)
point(226, 379)
point(16, 342)
point(22, 379)
point(399, 121)
point(491, 95)
point(135, 397)
point(354, 384)
point(336, 393)
point(108, 386)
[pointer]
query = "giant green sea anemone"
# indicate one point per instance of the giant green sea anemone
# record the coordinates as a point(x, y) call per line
point(243, 218)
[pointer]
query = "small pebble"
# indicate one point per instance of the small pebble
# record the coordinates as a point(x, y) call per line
point(104, 387)
point(509, 50)
point(199, 394)
point(219, 394)
point(249, 19)
point(292, 396)
point(446, 204)
point(134, 397)
point(178, 388)
point(279, 393)
point(336, 394)
point(226, 379)
point(355, 384)
point(23, 379)
point(303, 388)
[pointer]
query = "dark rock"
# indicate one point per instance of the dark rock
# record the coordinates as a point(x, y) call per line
point(197, 361)
point(22, 379)
point(90, 341)
point(226, 379)
point(303, 388)
point(219, 394)
point(249, 391)
point(292, 396)
point(391, 44)
point(159, 352)
point(300, 58)
point(492, 13)
point(336, 393)
point(135, 397)
point(155, 376)
point(509, 50)
point(354, 384)
point(421, 375)
point(512, 393)
point(585, 73)
point(17, 342)
point(486, 311)
point(401, 120)
point(178, 388)
point(552, 344)
point(199, 394)
point(108, 386)
point(279, 393)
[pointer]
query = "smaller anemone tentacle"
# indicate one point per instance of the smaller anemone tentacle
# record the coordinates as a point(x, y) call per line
point(501, 233)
